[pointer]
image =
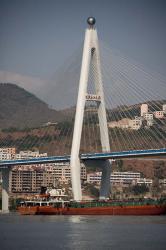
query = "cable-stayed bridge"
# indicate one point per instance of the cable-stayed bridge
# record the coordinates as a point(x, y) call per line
point(120, 113)
point(86, 157)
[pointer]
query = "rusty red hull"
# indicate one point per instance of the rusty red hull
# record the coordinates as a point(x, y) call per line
point(112, 210)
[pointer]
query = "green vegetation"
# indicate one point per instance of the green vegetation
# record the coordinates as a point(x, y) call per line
point(140, 189)
point(14, 129)
point(66, 128)
point(91, 190)
point(21, 109)
point(119, 165)
point(27, 142)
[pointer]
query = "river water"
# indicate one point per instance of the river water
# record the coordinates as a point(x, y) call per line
point(82, 232)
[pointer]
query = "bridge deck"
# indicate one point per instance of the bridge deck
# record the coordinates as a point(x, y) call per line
point(84, 157)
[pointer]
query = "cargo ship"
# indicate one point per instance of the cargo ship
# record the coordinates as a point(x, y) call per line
point(47, 206)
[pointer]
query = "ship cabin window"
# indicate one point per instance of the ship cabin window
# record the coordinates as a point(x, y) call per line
point(30, 204)
point(44, 204)
point(37, 204)
point(22, 204)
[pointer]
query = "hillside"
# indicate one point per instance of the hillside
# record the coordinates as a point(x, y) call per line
point(19, 108)
point(131, 111)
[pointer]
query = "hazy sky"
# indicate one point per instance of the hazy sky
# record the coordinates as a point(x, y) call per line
point(37, 36)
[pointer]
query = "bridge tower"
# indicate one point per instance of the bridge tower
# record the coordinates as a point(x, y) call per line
point(91, 55)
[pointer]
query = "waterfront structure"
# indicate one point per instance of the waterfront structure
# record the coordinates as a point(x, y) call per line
point(91, 56)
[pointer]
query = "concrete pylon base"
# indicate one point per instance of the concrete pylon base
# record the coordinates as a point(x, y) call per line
point(105, 180)
point(76, 181)
point(105, 165)
point(5, 190)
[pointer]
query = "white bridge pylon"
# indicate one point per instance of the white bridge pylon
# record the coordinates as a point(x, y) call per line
point(91, 56)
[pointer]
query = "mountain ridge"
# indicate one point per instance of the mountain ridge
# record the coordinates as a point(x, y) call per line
point(20, 108)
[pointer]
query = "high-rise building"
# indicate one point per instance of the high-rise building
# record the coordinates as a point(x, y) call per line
point(29, 179)
point(164, 108)
point(144, 109)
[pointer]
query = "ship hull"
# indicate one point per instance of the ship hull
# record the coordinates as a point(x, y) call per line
point(114, 210)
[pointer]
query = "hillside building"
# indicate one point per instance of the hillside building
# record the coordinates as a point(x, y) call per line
point(123, 123)
point(144, 109)
point(29, 154)
point(7, 153)
point(136, 123)
point(29, 179)
point(123, 178)
point(159, 114)
point(164, 108)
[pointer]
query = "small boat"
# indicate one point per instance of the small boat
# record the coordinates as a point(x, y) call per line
point(109, 207)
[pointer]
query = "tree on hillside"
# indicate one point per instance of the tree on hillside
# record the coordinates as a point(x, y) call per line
point(140, 189)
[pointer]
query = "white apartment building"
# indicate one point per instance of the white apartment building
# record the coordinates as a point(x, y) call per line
point(162, 182)
point(136, 123)
point(125, 177)
point(29, 154)
point(10, 153)
point(123, 123)
point(144, 109)
point(145, 181)
point(5, 157)
point(164, 108)
point(7, 153)
point(159, 114)
point(6, 150)
point(148, 116)
point(119, 178)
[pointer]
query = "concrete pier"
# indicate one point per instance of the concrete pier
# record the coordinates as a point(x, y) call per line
point(5, 190)
point(105, 180)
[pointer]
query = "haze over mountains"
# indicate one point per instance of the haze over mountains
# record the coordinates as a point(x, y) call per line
point(19, 108)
